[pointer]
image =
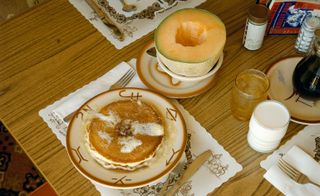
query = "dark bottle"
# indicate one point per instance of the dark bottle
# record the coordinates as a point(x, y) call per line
point(306, 76)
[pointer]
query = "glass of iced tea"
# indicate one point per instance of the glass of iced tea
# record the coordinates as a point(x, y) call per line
point(250, 88)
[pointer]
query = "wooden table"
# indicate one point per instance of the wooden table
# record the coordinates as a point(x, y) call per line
point(52, 51)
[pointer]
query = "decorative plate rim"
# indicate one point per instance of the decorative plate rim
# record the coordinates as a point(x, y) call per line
point(132, 185)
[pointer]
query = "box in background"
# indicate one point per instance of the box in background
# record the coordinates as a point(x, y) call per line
point(287, 16)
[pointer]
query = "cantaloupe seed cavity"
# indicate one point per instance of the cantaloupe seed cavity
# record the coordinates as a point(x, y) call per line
point(191, 34)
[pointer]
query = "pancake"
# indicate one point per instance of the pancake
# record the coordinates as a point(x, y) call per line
point(125, 134)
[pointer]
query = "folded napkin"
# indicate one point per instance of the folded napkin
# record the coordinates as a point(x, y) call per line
point(80, 96)
point(300, 160)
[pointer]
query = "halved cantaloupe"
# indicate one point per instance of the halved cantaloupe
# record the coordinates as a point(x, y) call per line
point(190, 41)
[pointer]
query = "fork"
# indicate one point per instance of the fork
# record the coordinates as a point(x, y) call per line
point(294, 173)
point(122, 82)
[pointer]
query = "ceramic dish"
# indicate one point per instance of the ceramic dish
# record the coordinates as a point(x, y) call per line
point(154, 77)
point(213, 70)
point(281, 89)
point(161, 165)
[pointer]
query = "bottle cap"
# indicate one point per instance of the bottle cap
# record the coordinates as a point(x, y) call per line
point(258, 13)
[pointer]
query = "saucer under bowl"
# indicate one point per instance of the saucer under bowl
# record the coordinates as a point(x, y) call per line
point(155, 78)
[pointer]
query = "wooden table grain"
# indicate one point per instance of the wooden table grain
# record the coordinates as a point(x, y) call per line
point(51, 51)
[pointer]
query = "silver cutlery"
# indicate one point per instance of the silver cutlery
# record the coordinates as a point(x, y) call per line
point(294, 173)
point(192, 169)
point(122, 82)
point(128, 7)
point(106, 20)
point(152, 52)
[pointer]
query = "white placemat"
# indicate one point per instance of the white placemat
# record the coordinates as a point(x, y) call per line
point(217, 170)
point(149, 14)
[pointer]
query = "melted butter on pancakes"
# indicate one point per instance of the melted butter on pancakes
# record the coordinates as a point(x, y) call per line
point(125, 135)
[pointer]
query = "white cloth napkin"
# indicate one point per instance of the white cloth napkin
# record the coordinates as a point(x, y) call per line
point(300, 160)
point(216, 171)
point(72, 102)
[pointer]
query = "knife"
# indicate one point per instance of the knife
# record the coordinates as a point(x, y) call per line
point(192, 169)
point(106, 20)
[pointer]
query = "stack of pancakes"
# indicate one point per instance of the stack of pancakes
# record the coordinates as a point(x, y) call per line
point(125, 135)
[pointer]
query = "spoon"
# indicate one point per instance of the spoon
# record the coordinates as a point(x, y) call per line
point(106, 20)
point(128, 7)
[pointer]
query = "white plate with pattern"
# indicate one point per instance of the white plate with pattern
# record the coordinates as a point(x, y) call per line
point(175, 137)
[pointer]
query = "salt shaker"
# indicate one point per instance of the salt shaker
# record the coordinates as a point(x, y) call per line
point(306, 34)
point(255, 27)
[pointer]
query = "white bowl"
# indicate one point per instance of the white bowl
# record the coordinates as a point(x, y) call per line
point(158, 169)
point(180, 77)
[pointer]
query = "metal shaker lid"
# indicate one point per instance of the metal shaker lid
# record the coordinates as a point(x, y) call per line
point(317, 33)
point(312, 22)
point(315, 47)
point(258, 13)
